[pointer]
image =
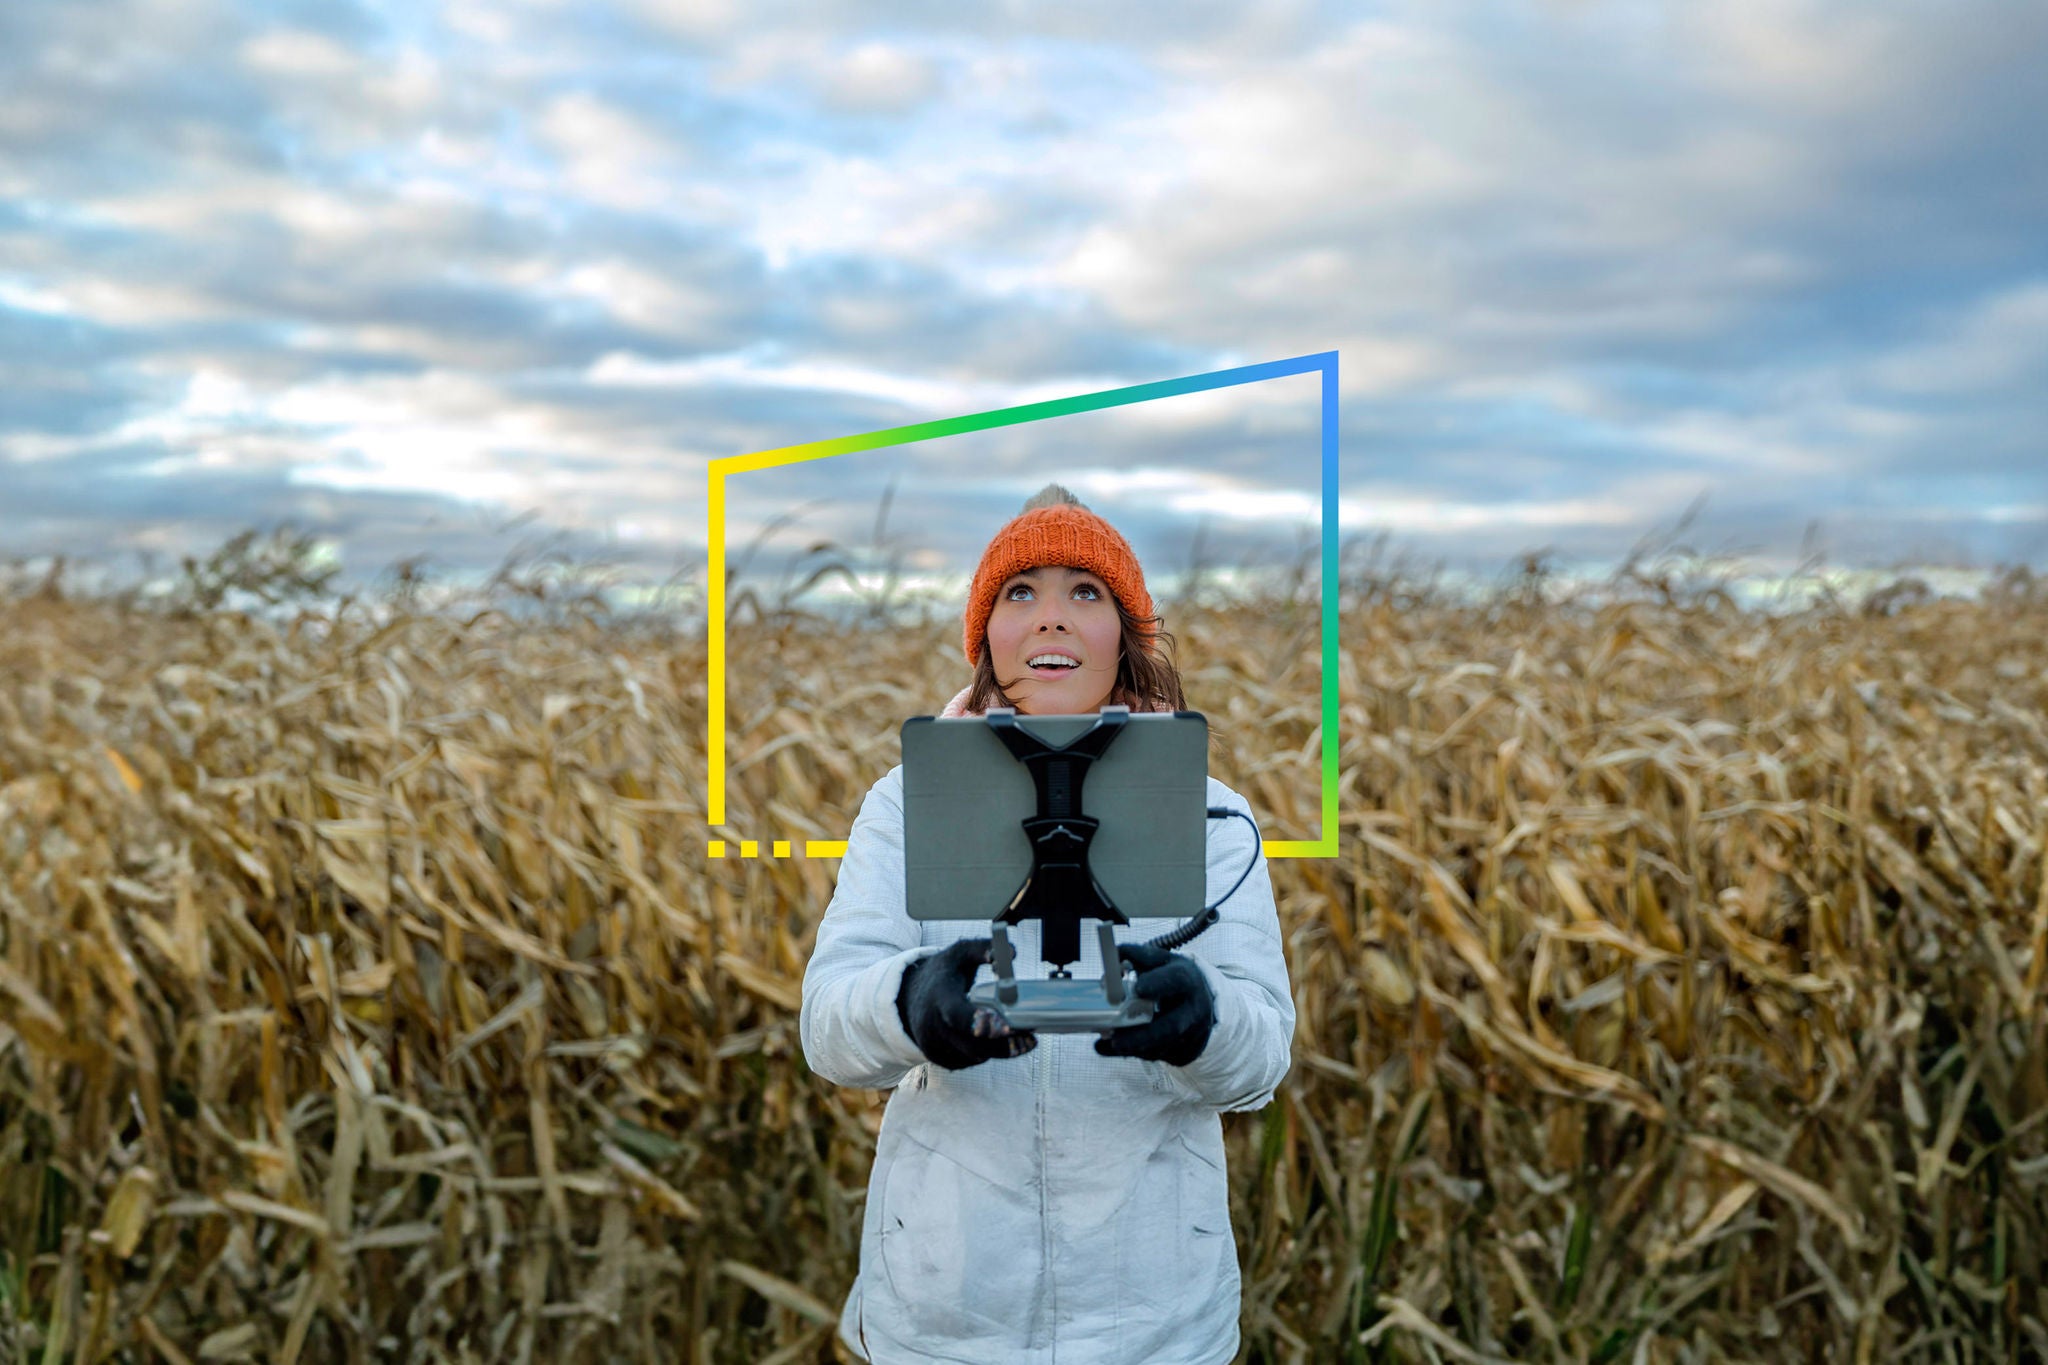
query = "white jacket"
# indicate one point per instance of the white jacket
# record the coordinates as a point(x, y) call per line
point(1059, 1208)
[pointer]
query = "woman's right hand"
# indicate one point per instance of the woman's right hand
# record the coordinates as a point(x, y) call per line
point(935, 1011)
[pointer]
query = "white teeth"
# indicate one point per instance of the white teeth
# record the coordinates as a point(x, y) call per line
point(1051, 659)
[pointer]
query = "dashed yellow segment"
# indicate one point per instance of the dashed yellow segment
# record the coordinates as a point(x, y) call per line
point(783, 848)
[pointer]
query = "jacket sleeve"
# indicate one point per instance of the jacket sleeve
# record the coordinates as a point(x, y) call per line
point(851, 1032)
point(1249, 1051)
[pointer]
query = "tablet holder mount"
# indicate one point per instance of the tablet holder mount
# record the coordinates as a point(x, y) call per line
point(1060, 891)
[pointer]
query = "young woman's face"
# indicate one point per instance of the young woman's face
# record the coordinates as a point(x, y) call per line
point(1055, 611)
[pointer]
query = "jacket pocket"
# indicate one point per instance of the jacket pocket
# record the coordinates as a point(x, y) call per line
point(1208, 1250)
point(1176, 1282)
point(1204, 1194)
point(960, 1249)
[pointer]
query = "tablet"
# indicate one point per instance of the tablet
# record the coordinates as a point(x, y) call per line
point(965, 798)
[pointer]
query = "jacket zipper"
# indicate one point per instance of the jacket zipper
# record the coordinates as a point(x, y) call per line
point(1043, 1077)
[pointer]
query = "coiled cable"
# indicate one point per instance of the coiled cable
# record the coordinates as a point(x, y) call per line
point(1175, 939)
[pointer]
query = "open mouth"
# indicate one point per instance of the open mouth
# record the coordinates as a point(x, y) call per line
point(1050, 669)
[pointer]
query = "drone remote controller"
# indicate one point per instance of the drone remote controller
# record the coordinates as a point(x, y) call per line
point(1061, 1003)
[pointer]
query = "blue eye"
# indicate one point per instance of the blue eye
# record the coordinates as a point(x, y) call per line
point(1010, 593)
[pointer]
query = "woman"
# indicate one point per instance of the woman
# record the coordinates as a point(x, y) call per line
point(1061, 1198)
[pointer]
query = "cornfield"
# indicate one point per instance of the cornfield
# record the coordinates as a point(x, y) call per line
point(367, 992)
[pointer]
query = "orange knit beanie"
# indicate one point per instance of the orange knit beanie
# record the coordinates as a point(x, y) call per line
point(1064, 534)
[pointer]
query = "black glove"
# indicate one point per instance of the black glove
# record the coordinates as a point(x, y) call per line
point(1186, 1015)
point(932, 1004)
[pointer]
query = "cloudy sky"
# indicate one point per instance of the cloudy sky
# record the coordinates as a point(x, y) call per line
point(403, 274)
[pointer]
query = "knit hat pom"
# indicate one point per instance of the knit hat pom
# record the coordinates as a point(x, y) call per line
point(1052, 495)
point(1055, 528)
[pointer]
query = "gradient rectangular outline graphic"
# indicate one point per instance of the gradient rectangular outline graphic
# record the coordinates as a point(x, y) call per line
point(1324, 362)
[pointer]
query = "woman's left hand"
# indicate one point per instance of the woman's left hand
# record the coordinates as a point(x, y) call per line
point(1180, 1029)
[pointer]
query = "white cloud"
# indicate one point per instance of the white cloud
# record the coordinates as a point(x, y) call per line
point(1724, 238)
point(1996, 343)
point(1442, 516)
point(930, 398)
point(1191, 493)
point(1817, 54)
point(299, 55)
point(464, 438)
point(2013, 513)
point(610, 156)
point(906, 210)
point(697, 21)
point(885, 78)
point(30, 297)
